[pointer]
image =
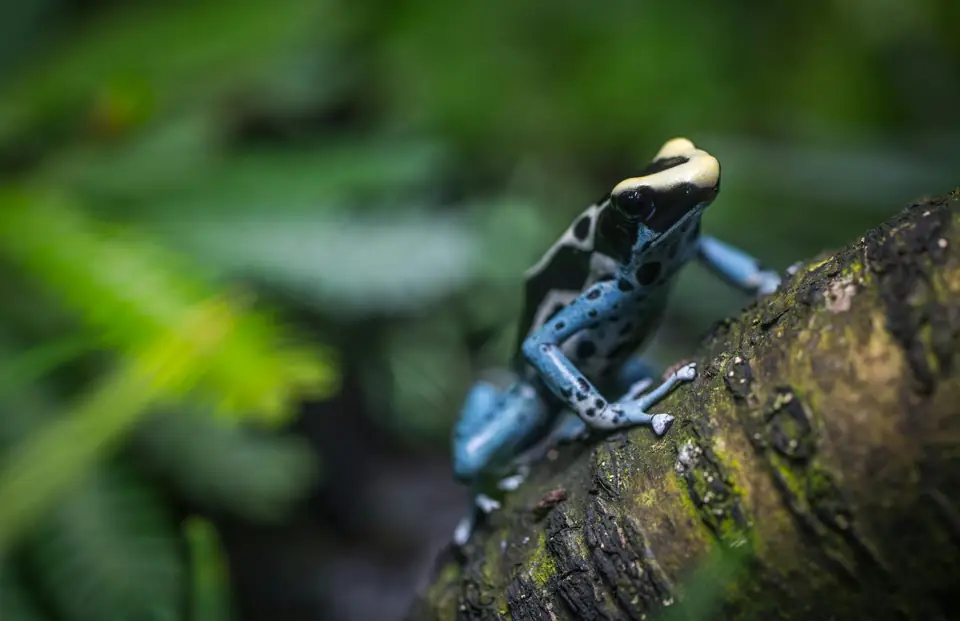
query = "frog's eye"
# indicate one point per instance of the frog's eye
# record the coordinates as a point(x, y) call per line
point(637, 202)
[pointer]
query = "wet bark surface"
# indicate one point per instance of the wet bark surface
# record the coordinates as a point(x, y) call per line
point(813, 471)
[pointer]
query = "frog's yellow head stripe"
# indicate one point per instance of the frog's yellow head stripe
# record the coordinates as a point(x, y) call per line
point(697, 168)
point(678, 147)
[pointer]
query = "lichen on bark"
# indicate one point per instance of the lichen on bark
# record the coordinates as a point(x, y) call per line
point(820, 444)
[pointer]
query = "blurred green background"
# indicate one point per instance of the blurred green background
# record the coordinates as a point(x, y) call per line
point(254, 252)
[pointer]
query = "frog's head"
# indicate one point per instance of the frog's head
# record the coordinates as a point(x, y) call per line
point(675, 188)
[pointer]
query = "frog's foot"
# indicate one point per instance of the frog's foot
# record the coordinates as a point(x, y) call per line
point(674, 368)
point(486, 504)
point(793, 269)
point(687, 372)
point(661, 423)
point(463, 531)
point(630, 412)
point(765, 282)
point(513, 483)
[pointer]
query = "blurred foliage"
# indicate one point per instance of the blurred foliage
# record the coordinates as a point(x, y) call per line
point(211, 600)
point(708, 585)
point(172, 170)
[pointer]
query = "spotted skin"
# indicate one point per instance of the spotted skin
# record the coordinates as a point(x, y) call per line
point(594, 299)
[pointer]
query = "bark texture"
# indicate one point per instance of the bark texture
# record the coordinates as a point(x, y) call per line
point(813, 471)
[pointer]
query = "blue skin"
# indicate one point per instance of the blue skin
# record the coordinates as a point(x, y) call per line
point(512, 432)
point(551, 400)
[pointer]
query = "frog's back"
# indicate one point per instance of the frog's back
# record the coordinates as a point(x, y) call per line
point(583, 256)
point(564, 271)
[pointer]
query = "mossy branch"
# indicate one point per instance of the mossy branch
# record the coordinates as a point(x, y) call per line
point(820, 442)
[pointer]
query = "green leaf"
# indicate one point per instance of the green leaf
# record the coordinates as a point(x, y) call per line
point(218, 467)
point(109, 550)
point(342, 265)
point(179, 169)
point(705, 589)
point(153, 306)
point(178, 341)
point(43, 466)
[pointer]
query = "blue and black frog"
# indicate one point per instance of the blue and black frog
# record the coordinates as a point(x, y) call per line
point(593, 300)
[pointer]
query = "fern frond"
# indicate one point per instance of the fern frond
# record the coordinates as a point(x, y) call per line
point(178, 341)
point(139, 297)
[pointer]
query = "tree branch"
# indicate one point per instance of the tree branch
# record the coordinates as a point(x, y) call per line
point(819, 449)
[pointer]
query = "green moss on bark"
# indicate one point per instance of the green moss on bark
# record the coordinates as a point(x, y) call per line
point(820, 442)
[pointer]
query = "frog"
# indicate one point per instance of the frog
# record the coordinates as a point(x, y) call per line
point(594, 299)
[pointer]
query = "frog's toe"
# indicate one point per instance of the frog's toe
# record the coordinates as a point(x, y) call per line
point(486, 504)
point(661, 423)
point(687, 372)
point(770, 282)
point(512, 483)
point(461, 534)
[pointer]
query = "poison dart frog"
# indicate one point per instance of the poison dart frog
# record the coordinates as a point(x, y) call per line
point(593, 300)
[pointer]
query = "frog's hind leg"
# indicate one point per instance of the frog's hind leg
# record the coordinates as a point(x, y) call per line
point(634, 377)
point(479, 408)
point(481, 399)
point(464, 529)
point(493, 424)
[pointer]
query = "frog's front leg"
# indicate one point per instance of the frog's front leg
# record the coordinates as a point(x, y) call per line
point(634, 378)
point(543, 351)
point(737, 267)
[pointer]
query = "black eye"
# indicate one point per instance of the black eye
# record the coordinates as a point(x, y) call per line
point(636, 203)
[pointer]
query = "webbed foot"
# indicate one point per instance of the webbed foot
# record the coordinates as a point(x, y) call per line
point(661, 423)
point(513, 483)
point(486, 504)
point(767, 282)
point(632, 410)
point(793, 269)
point(463, 531)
